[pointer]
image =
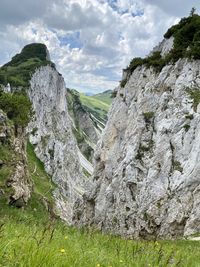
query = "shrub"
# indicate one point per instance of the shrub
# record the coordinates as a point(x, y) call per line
point(186, 127)
point(189, 116)
point(17, 107)
point(135, 62)
point(148, 116)
point(186, 44)
point(177, 166)
point(123, 83)
point(114, 94)
point(195, 96)
point(155, 60)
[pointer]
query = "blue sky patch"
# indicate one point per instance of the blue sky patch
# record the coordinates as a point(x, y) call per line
point(73, 39)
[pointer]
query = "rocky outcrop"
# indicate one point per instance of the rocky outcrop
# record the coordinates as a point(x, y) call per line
point(13, 158)
point(51, 134)
point(84, 127)
point(164, 47)
point(146, 182)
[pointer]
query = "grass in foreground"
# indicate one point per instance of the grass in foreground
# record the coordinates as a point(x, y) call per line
point(33, 244)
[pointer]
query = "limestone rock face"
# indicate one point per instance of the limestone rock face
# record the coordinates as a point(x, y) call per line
point(51, 134)
point(146, 182)
point(84, 127)
point(19, 179)
point(165, 46)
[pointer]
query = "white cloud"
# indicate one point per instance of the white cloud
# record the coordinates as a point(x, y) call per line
point(89, 40)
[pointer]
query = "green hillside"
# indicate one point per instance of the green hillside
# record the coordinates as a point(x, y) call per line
point(18, 71)
point(98, 105)
point(105, 97)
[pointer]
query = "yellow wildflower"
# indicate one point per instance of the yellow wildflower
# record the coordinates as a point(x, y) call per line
point(98, 265)
point(62, 250)
point(66, 237)
point(121, 261)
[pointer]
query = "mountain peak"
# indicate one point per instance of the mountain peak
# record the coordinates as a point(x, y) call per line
point(18, 71)
point(33, 50)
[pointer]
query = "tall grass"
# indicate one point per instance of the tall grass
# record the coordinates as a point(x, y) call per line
point(36, 245)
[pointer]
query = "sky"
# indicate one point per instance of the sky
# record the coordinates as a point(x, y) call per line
point(90, 41)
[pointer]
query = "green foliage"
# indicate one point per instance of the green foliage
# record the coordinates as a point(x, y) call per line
point(114, 94)
point(29, 51)
point(186, 127)
point(104, 97)
point(186, 38)
point(189, 116)
point(123, 83)
point(195, 96)
point(144, 149)
point(135, 62)
point(7, 157)
point(155, 60)
point(29, 238)
point(32, 244)
point(43, 186)
point(177, 166)
point(98, 108)
point(18, 71)
point(148, 116)
point(192, 12)
point(17, 107)
point(186, 44)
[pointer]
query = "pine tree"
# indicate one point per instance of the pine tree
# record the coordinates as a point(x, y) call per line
point(192, 12)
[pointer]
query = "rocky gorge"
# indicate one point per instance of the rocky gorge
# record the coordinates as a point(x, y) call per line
point(146, 182)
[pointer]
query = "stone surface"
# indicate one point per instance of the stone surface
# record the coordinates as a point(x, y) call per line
point(165, 46)
point(51, 134)
point(146, 182)
point(19, 179)
point(84, 126)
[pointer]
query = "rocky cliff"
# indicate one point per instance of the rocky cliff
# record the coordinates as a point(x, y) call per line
point(15, 183)
point(146, 181)
point(84, 126)
point(51, 134)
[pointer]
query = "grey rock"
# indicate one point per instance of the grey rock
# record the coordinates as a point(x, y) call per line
point(54, 142)
point(146, 179)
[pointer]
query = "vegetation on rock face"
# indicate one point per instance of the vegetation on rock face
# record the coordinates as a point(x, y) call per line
point(29, 51)
point(189, 116)
point(186, 127)
point(194, 94)
point(75, 108)
point(34, 235)
point(148, 116)
point(96, 107)
point(43, 186)
point(186, 45)
point(18, 71)
point(17, 106)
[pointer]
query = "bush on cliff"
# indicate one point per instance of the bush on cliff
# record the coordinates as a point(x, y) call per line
point(17, 107)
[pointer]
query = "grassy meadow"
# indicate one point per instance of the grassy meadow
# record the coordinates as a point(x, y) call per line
point(98, 105)
point(29, 241)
